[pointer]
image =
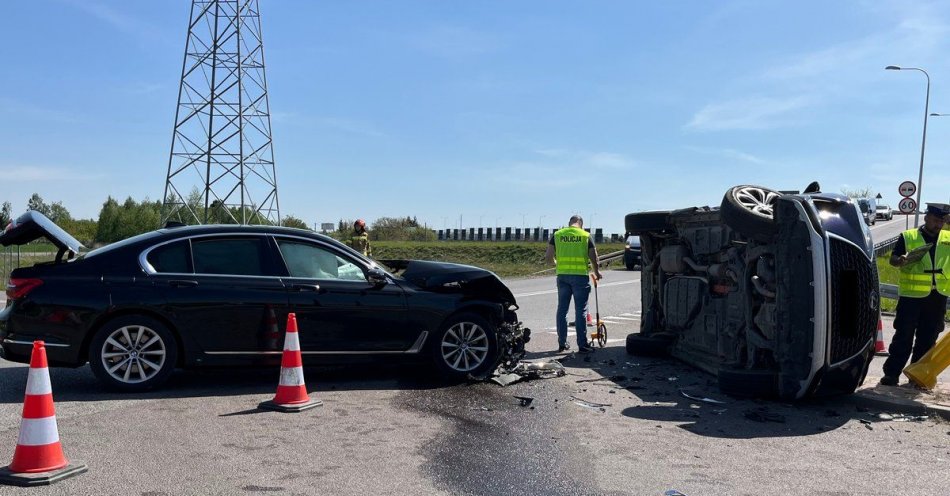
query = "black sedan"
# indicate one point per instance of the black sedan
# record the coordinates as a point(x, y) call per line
point(192, 296)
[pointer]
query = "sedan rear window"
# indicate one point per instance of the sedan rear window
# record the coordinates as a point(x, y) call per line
point(228, 256)
point(171, 258)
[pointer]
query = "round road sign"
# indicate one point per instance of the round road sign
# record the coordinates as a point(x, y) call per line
point(907, 205)
point(907, 188)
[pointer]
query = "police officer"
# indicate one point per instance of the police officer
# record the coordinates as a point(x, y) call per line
point(359, 239)
point(923, 290)
point(570, 249)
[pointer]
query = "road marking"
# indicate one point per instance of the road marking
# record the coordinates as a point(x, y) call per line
point(553, 291)
point(626, 318)
point(634, 314)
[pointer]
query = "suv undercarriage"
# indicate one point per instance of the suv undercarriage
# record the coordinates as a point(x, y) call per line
point(775, 294)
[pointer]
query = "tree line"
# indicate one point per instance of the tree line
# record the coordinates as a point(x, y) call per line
point(118, 221)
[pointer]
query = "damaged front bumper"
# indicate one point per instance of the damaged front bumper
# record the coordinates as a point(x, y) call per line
point(511, 338)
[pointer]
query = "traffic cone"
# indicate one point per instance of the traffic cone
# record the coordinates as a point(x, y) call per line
point(879, 348)
point(590, 319)
point(924, 372)
point(291, 390)
point(38, 459)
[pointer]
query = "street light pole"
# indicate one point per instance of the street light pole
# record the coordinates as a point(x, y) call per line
point(923, 141)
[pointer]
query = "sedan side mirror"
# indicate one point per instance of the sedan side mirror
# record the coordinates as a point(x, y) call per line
point(377, 277)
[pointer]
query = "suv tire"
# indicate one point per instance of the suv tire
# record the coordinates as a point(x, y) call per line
point(648, 346)
point(748, 210)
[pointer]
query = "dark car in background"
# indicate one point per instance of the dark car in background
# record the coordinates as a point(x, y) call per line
point(631, 252)
point(219, 295)
point(774, 293)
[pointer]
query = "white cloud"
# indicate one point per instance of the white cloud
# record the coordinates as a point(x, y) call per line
point(748, 113)
point(29, 173)
point(840, 73)
point(142, 88)
point(25, 110)
point(584, 158)
point(455, 41)
point(350, 126)
point(118, 20)
point(728, 153)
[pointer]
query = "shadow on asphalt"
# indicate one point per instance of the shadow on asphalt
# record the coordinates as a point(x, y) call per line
point(660, 384)
point(80, 384)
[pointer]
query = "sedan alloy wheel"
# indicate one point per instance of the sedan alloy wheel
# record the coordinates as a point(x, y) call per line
point(465, 346)
point(133, 354)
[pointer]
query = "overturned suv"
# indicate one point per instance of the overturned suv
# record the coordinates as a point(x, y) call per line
point(774, 293)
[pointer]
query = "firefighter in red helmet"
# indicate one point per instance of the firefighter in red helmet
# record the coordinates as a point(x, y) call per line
point(359, 239)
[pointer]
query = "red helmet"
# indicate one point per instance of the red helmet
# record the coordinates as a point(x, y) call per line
point(360, 223)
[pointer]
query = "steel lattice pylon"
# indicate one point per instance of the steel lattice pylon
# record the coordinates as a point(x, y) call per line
point(221, 166)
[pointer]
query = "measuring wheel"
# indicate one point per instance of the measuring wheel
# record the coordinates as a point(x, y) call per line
point(602, 334)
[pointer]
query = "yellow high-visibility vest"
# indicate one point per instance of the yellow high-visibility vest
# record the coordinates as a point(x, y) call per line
point(570, 250)
point(918, 279)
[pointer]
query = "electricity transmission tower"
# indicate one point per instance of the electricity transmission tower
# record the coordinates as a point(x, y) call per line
point(221, 166)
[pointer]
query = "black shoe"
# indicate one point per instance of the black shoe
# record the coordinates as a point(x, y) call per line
point(585, 349)
point(564, 347)
point(888, 380)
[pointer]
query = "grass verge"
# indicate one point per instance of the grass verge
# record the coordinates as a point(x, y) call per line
point(506, 259)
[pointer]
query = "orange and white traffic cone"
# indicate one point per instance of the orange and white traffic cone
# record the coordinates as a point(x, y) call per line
point(38, 459)
point(590, 319)
point(879, 348)
point(291, 391)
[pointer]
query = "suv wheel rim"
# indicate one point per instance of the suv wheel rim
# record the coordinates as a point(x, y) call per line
point(757, 200)
point(133, 354)
point(464, 346)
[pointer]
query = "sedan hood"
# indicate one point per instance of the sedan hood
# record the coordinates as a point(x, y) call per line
point(444, 277)
point(34, 225)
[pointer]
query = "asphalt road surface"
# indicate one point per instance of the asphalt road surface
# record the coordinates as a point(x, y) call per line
point(884, 230)
point(392, 429)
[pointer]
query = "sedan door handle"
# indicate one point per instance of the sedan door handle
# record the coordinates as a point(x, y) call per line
point(305, 287)
point(182, 283)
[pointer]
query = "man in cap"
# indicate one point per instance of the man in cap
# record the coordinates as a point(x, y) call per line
point(923, 256)
point(570, 249)
point(359, 239)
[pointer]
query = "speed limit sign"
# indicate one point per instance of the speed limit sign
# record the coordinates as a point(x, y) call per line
point(907, 188)
point(907, 206)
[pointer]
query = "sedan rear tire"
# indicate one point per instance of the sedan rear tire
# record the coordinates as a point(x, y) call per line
point(466, 345)
point(133, 353)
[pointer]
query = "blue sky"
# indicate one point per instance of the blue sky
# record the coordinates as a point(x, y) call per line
point(499, 112)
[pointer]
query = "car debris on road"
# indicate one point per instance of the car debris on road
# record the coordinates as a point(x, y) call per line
point(528, 370)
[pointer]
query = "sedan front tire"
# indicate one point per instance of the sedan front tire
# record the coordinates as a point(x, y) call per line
point(465, 346)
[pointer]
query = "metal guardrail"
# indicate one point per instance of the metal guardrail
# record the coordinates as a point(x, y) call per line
point(890, 291)
point(610, 257)
point(885, 246)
